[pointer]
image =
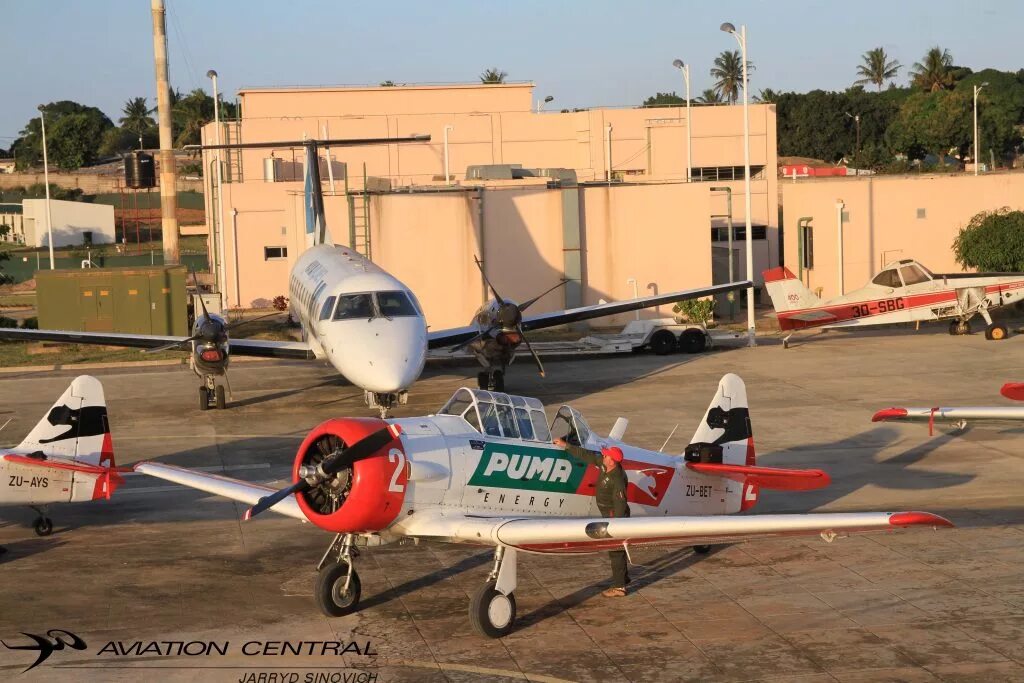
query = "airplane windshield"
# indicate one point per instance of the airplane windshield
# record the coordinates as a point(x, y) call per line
point(888, 278)
point(498, 414)
point(352, 306)
point(370, 305)
point(913, 275)
point(394, 304)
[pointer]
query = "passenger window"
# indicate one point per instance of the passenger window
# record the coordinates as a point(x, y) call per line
point(913, 275)
point(523, 420)
point(489, 417)
point(888, 278)
point(508, 421)
point(540, 426)
point(325, 312)
point(352, 306)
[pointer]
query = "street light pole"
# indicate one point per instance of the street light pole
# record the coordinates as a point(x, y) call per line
point(46, 181)
point(977, 89)
point(741, 38)
point(219, 268)
point(685, 68)
point(447, 175)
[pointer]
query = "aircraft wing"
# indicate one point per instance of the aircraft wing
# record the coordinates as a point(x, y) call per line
point(235, 489)
point(452, 336)
point(239, 347)
point(563, 535)
point(941, 414)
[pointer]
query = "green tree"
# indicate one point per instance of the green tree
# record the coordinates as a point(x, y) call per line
point(664, 99)
point(767, 96)
point(933, 122)
point(87, 128)
point(935, 71)
point(137, 116)
point(709, 96)
point(4, 255)
point(876, 68)
point(992, 241)
point(728, 74)
point(493, 75)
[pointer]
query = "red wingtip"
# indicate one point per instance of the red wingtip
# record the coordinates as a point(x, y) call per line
point(1013, 391)
point(918, 519)
point(889, 414)
point(247, 515)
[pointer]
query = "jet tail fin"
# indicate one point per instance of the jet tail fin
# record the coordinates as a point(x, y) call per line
point(316, 223)
point(76, 427)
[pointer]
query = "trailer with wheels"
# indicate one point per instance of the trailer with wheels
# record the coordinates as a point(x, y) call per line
point(664, 336)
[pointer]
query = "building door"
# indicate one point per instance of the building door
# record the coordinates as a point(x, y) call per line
point(87, 307)
point(133, 305)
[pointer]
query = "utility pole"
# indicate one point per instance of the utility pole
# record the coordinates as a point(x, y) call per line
point(168, 172)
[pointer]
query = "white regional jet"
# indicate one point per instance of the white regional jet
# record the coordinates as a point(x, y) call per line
point(68, 457)
point(363, 320)
point(485, 471)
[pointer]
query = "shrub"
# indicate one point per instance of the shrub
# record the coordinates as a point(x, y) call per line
point(992, 241)
point(281, 302)
point(8, 322)
point(30, 323)
point(695, 310)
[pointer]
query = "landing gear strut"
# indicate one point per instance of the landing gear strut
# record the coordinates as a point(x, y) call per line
point(491, 380)
point(492, 611)
point(213, 393)
point(337, 588)
point(43, 524)
point(385, 402)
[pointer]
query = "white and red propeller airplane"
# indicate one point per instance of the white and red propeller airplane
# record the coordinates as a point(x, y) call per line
point(904, 292)
point(959, 416)
point(485, 471)
point(68, 457)
point(360, 318)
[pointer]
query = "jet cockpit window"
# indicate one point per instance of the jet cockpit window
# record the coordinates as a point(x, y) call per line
point(913, 275)
point(395, 304)
point(325, 312)
point(508, 421)
point(570, 425)
point(354, 306)
point(458, 404)
point(489, 418)
point(888, 278)
point(524, 423)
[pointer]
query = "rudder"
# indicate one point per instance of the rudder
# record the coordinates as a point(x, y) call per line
point(75, 427)
point(787, 292)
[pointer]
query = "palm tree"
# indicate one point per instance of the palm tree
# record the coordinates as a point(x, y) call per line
point(767, 96)
point(935, 71)
point(189, 115)
point(137, 117)
point(493, 75)
point(709, 96)
point(728, 74)
point(877, 68)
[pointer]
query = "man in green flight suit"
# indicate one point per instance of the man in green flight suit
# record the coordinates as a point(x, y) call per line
point(611, 501)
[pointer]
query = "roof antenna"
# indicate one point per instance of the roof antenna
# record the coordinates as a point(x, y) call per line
point(670, 435)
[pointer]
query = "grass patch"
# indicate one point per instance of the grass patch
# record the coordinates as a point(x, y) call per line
point(18, 354)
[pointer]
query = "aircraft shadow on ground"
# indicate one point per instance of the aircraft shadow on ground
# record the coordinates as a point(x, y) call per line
point(427, 580)
point(286, 393)
point(13, 551)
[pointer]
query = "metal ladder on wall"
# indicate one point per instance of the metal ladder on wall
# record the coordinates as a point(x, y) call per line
point(359, 217)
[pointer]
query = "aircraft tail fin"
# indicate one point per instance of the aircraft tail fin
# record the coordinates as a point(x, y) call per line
point(76, 427)
point(725, 436)
point(316, 223)
point(788, 293)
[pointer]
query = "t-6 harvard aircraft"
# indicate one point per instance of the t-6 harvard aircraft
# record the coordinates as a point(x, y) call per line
point(359, 317)
point(905, 291)
point(959, 416)
point(484, 471)
point(68, 457)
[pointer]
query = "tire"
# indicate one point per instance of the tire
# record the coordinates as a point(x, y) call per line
point(327, 590)
point(43, 526)
point(482, 380)
point(219, 394)
point(702, 549)
point(997, 332)
point(491, 613)
point(692, 341)
point(204, 399)
point(663, 342)
point(959, 327)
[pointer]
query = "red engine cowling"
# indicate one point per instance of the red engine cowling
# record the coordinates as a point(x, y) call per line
point(365, 497)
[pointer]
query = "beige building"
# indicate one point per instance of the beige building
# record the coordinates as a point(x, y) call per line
point(74, 223)
point(884, 218)
point(603, 200)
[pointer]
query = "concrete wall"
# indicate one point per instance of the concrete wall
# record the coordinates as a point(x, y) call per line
point(89, 183)
point(889, 218)
point(70, 221)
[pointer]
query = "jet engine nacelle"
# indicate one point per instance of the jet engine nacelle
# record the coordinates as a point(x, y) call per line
point(363, 497)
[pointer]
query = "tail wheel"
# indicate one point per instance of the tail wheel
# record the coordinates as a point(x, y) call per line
point(332, 596)
point(43, 526)
point(330, 494)
point(491, 612)
point(692, 341)
point(663, 342)
point(219, 394)
point(204, 398)
point(997, 332)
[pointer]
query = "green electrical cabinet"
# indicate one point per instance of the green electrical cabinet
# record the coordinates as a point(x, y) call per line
point(136, 300)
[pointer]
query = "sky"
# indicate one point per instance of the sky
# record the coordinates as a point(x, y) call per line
point(593, 53)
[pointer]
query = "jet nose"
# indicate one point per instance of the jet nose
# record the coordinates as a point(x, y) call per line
point(385, 356)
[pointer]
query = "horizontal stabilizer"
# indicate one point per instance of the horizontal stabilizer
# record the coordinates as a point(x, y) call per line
point(812, 316)
point(765, 477)
point(108, 478)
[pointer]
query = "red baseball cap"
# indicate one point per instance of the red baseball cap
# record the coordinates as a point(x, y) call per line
point(613, 452)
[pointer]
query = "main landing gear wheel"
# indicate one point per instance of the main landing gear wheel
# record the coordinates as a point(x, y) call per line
point(702, 549)
point(329, 588)
point(204, 398)
point(997, 332)
point(960, 327)
point(491, 612)
point(43, 526)
point(663, 342)
point(491, 381)
point(219, 397)
point(692, 341)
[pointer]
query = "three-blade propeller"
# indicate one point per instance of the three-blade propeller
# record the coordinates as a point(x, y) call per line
point(509, 318)
point(330, 466)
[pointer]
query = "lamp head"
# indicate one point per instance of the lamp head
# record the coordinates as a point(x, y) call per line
point(211, 74)
point(549, 98)
point(728, 28)
point(678, 63)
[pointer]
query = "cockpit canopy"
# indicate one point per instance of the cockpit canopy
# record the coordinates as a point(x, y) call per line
point(369, 305)
point(902, 273)
point(497, 414)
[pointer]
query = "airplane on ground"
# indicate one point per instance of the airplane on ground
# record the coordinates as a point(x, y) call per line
point(68, 457)
point(485, 471)
point(959, 416)
point(363, 320)
point(905, 291)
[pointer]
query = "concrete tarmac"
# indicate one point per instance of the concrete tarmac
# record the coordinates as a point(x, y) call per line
point(162, 564)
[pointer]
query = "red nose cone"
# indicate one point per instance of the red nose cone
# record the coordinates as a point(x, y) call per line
point(211, 355)
point(509, 338)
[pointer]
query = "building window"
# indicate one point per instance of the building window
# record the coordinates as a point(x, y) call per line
point(721, 234)
point(921, 213)
point(274, 253)
point(720, 173)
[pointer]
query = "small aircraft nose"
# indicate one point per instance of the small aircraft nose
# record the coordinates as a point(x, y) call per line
point(382, 355)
